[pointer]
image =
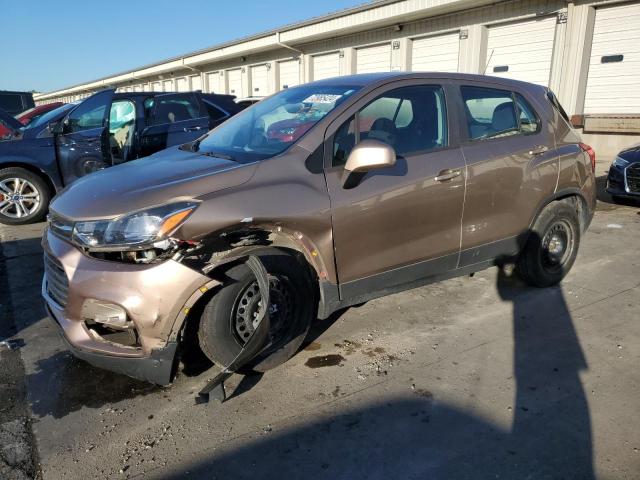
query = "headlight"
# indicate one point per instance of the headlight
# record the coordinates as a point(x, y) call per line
point(620, 162)
point(134, 230)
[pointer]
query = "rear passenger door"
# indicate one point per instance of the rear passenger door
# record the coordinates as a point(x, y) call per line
point(402, 223)
point(512, 166)
point(172, 119)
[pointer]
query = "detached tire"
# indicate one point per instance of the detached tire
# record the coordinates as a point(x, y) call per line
point(552, 246)
point(227, 320)
point(24, 197)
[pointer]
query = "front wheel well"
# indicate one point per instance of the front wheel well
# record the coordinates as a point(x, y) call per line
point(191, 354)
point(33, 169)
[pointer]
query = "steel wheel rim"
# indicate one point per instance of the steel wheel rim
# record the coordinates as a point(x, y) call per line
point(19, 198)
point(248, 306)
point(557, 245)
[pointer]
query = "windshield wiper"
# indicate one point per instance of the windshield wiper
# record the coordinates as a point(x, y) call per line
point(224, 156)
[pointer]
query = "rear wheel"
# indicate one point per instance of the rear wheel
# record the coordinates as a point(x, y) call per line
point(552, 246)
point(24, 196)
point(230, 317)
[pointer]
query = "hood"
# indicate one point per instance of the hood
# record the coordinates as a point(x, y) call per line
point(165, 177)
point(10, 121)
point(631, 154)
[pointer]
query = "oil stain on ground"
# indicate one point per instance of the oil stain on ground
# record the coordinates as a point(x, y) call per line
point(330, 360)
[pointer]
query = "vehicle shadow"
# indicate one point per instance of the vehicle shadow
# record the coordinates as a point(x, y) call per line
point(418, 436)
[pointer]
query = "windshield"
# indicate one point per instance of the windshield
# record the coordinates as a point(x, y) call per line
point(50, 116)
point(269, 127)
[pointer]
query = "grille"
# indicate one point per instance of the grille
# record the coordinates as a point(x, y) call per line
point(60, 226)
point(57, 282)
point(633, 178)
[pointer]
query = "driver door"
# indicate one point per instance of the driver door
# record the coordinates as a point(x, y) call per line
point(399, 224)
point(82, 146)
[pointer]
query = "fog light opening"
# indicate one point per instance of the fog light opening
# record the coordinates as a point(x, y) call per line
point(109, 322)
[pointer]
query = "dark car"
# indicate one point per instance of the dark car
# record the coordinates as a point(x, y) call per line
point(105, 129)
point(624, 175)
point(15, 102)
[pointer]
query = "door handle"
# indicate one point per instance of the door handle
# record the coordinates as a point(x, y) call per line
point(538, 150)
point(192, 129)
point(447, 174)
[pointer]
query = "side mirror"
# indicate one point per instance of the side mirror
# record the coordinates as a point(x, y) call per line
point(366, 156)
point(56, 127)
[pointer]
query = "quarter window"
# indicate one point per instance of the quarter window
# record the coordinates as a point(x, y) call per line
point(410, 119)
point(493, 113)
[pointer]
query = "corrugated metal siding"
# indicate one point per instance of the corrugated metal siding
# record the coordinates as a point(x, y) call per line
point(326, 66)
point(289, 73)
point(436, 54)
point(525, 48)
point(614, 87)
point(373, 59)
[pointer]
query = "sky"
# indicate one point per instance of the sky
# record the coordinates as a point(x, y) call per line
point(48, 45)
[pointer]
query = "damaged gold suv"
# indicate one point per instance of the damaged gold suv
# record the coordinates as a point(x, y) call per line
point(344, 189)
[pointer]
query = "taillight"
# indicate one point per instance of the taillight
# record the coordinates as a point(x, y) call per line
point(592, 155)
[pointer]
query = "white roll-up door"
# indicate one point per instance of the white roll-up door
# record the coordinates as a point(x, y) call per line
point(289, 73)
point(259, 81)
point(613, 83)
point(196, 82)
point(137, 88)
point(373, 59)
point(522, 50)
point(235, 82)
point(167, 86)
point(214, 82)
point(436, 54)
point(326, 65)
point(182, 84)
point(156, 87)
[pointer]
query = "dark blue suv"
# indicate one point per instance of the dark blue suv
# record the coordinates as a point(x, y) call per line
point(105, 129)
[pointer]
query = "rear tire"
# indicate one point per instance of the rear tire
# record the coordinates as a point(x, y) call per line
point(552, 246)
point(24, 196)
point(226, 322)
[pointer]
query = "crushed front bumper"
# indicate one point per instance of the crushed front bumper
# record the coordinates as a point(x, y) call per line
point(153, 296)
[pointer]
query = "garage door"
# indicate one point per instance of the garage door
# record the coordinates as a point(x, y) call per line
point(289, 75)
point(326, 66)
point(435, 54)
point(613, 84)
point(235, 82)
point(214, 82)
point(259, 81)
point(182, 84)
point(167, 86)
point(156, 87)
point(522, 50)
point(373, 59)
point(196, 82)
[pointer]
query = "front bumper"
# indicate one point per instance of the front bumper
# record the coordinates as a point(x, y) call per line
point(154, 297)
point(618, 183)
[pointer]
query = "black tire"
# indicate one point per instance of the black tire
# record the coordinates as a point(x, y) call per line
point(552, 246)
point(219, 332)
point(36, 183)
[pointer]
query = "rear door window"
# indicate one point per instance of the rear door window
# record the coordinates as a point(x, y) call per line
point(495, 113)
point(173, 108)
